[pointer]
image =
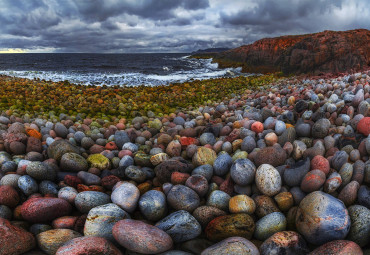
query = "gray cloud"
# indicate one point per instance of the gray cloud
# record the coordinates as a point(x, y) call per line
point(166, 25)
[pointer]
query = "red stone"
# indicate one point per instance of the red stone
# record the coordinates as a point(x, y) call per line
point(41, 210)
point(83, 187)
point(8, 196)
point(338, 247)
point(96, 149)
point(179, 178)
point(313, 181)
point(363, 126)
point(320, 163)
point(185, 141)
point(257, 127)
point(109, 181)
point(111, 146)
point(72, 181)
point(64, 222)
point(14, 240)
point(227, 186)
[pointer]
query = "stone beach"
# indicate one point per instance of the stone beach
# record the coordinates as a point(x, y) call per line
point(282, 167)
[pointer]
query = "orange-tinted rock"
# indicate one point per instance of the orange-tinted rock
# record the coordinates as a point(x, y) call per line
point(313, 181)
point(14, 240)
point(64, 222)
point(284, 242)
point(230, 225)
point(179, 178)
point(284, 201)
point(363, 126)
point(257, 127)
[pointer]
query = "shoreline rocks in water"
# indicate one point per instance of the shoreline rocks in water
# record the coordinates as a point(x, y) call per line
point(283, 169)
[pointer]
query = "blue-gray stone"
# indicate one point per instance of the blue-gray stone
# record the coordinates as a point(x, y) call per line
point(205, 170)
point(126, 161)
point(135, 173)
point(87, 200)
point(243, 172)
point(363, 196)
point(248, 144)
point(219, 199)
point(8, 166)
point(40, 171)
point(339, 159)
point(207, 138)
point(101, 219)
point(27, 185)
point(152, 205)
point(294, 175)
point(131, 147)
point(39, 228)
point(360, 225)
point(179, 121)
point(181, 197)
point(269, 225)
point(222, 164)
point(89, 178)
point(120, 138)
point(181, 226)
point(5, 212)
point(48, 187)
point(78, 136)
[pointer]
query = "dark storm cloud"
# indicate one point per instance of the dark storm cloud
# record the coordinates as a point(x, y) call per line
point(166, 25)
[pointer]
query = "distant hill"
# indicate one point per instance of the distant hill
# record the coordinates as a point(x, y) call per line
point(327, 51)
point(210, 50)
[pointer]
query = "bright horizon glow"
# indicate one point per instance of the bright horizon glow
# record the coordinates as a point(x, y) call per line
point(12, 51)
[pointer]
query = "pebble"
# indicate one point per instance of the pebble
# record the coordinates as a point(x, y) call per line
point(126, 196)
point(243, 172)
point(204, 156)
point(40, 210)
point(181, 197)
point(322, 218)
point(284, 242)
point(73, 162)
point(152, 205)
point(232, 246)
point(85, 201)
point(313, 181)
point(269, 225)
point(222, 164)
point(219, 199)
point(51, 240)
point(204, 214)
point(222, 227)
point(140, 237)
point(242, 204)
point(180, 225)
point(14, 240)
point(337, 247)
point(88, 245)
point(268, 180)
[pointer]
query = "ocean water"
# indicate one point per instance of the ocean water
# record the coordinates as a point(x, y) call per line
point(112, 69)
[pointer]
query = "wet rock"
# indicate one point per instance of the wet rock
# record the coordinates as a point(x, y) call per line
point(87, 200)
point(60, 147)
point(269, 225)
point(153, 205)
point(88, 245)
point(50, 241)
point(204, 214)
point(180, 225)
point(232, 246)
point(284, 242)
point(126, 196)
point(73, 162)
point(140, 237)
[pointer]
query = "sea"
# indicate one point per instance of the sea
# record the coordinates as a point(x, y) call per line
point(150, 69)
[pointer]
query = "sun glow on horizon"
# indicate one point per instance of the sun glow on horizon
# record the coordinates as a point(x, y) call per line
point(12, 51)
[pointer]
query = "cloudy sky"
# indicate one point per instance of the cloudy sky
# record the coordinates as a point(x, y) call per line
point(127, 26)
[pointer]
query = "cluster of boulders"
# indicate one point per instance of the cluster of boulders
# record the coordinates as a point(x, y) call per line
point(281, 170)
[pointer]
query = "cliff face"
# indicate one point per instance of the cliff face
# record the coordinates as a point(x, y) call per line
point(323, 52)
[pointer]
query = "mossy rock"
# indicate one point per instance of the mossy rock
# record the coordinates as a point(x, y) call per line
point(98, 161)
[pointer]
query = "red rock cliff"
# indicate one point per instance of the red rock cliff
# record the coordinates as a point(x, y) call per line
point(327, 51)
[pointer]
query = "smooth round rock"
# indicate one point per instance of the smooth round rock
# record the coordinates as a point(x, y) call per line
point(68, 193)
point(274, 155)
point(14, 240)
point(204, 214)
point(284, 242)
point(9, 196)
point(152, 205)
point(294, 175)
point(10, 179)
point(60, 147)
point(243, 172)
point(204, 156)
point(48, 188)
point(222, 227)
point(232, 246)
point(98, 161)
point(73, 162)
point(322, 218)
point(207, 138)
point(101, 219)
point(337, 247)
point(181, 226)
point(321, 128)
point(339, 159)
point(313, 181)
point(268, 180)
point(198, 183)
point(222, 164)
point(181, 197)
point(363, 196)
point(87, 200)
point(320, 163)
point(248, 144)
point(6, 212)
point(40, 171)
point(360, 225)
point(219, 199)
point(265, 205)
point(87, 245)
point(140, 237)
point(332, 182)
point(135, 173)
point(50, 241)
point(126, 196)
point(40, 210)
point(242, 204)
point(269, 225)
point(27, 185)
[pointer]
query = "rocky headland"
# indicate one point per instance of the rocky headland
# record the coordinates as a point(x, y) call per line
point(324, 52)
